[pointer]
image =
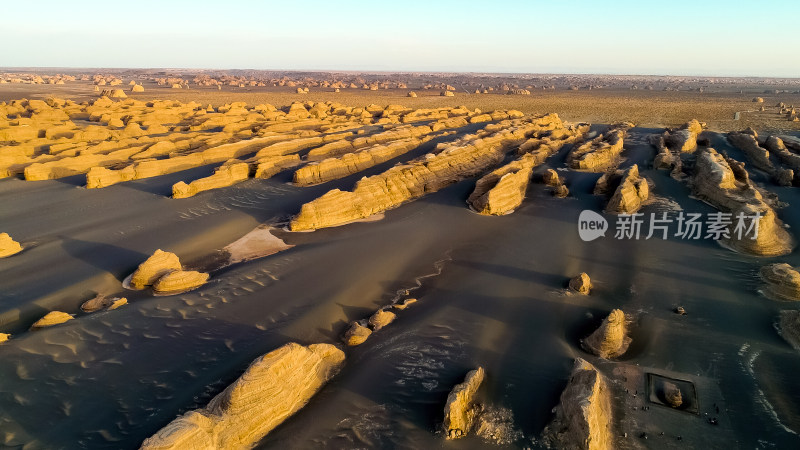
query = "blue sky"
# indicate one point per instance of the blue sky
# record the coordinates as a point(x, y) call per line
point(622, 37)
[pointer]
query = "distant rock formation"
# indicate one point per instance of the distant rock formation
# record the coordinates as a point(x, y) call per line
point(137, 88)
point(581, 283)
point(273, 387)
point(8, 246)
point(724, 183)
point(179, 281)
point(583, 416)
point(460, 409)
point(50, 319)
point(631, 191)
point(412, 94)
point(782, 281)
point(156, 266)
point(447, 94)
point(611, 339)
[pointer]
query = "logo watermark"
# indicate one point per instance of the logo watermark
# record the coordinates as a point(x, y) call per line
point(716, 226)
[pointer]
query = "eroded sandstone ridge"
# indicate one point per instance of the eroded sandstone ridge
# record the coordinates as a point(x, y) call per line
point(155, 267)
point(273, 387)
point(460, 409)
point(50, 319)
point(179, 281)
point(583, 416)
point(684, 138)
point(452, 162)
point(781, 281)
point(8, 246)
point(601, 153)
point(581, 283)
point(631, 191)
point(724, 183)
point(789, 326)
point(502, 190)
point(611, 339)
point(759, 157)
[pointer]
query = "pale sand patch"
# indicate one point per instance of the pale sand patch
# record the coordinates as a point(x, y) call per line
point(256, 244)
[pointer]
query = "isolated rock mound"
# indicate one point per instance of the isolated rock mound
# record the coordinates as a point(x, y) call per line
point(381, 318)
point(179, 281)
point(460, 409)
point(8, 246)
point(611, 339)
point(50, 319)
point(684, 139)
point(600, 153)
point(155, 267)
point(672, 395)
point(724, 184)
point(357, 334)
point(583, 416)
point(273, 387)
point(102, 302)
point(631, 192)
point(789, 326)
point(581, 283)
point(782, 281)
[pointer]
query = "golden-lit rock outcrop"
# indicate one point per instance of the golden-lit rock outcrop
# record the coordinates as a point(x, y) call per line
point(684, 139)
point(600, 153)
point(729, 189)
point(759, 157)
point(8, 246)
point(223, 176)
point(179, 281)
point(781, 281)
point(273, 387)
point(611, 339)
point(581, 283)
point(155, 267)
point(631, 191)
point(50, 319)
point(583, 416)
point(460, 409)
point(454, 161)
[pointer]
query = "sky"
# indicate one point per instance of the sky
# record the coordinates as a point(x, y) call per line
point(722, 38)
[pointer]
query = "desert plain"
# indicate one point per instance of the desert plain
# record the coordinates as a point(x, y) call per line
point(236, 259)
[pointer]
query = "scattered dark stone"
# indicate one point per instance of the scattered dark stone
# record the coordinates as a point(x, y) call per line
point(680, 310)
point(713, 421)
point(643, 435)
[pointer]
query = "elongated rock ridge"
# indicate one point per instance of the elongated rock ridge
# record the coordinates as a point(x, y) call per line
point(601, 153)
point(611, 339)
point(460, 409)
point(724, 184)
point(8, 246)
point(583, 416)
point(759, 157)
point(273, 387)
point(50, 319)
point(453, 162)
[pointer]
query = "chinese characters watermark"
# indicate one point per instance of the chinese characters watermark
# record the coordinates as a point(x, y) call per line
point(716, 226)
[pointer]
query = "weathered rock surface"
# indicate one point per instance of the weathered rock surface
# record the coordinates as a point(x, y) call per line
point(8, 246)
point(581, 283)
point(725, 185)
point(178, 281)
point(273, 387)
point(789, 326)
point(583, 416)
point(672, 395)
point(381, 318)
point(102, 302)
point(357, 334)
point(631, 193)
point(223, 176)
point(455, 161)
point(551, 178)
point(600, 153)
point(782, 281)
point(777, 146)
point(156, 266)
point(460, 409)
point(684, 139)
point(50, 319)
point(611, 339)
point(759, 157)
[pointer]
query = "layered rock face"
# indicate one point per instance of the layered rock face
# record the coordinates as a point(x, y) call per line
point(50, 319)
point(179, 281)
point(600, 153)
point(611, 339)
point(782, 281)
point(789, 325)
point(453, 162)
point(583, 416)
point(684, 139)
point(728, 188)
point(460, 409)
point(777, 146)
point(156, 266)
point(502, 190)
point(759, 156)
point(631, 192)
point(8, 246)
point(273, 387)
